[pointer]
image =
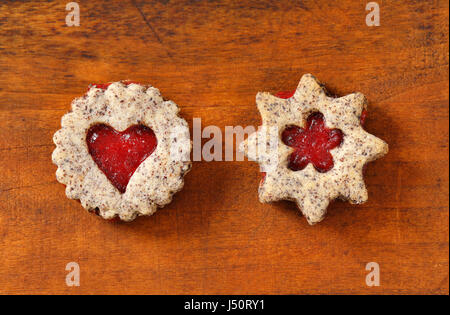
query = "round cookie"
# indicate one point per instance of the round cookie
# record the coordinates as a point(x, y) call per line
point(122, 151)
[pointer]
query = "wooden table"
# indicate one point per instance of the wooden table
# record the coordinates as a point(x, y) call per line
point(211, 58)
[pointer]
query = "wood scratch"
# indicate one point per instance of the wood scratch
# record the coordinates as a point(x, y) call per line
point(149, 25)
point(28, 186)
point(27, 147)
point(397, 200)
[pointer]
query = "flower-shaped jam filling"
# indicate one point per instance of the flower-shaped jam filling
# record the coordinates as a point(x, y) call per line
point(312, 144)
point(118, 154)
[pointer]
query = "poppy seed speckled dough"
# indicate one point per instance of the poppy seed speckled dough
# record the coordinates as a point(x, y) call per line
point(310, 189)
point(153, 183)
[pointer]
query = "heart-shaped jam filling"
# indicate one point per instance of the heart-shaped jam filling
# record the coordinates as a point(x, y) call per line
point(118, 154)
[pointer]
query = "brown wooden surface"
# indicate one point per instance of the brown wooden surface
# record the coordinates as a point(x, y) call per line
point(211, 58)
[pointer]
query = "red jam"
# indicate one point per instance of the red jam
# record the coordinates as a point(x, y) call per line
point(118, 154)
point(285, 94)
point(363, 117)
point(104, 86)
point(312, 145)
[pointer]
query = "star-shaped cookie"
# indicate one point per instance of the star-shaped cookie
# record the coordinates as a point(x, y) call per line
point(310, 187)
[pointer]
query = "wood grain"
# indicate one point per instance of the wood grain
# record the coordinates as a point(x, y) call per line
point(211, 58)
